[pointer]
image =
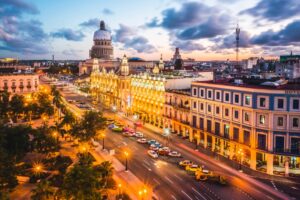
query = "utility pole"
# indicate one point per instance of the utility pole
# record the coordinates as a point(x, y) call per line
point(237, 37)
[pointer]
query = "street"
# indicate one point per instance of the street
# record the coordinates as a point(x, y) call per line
point(167, 179)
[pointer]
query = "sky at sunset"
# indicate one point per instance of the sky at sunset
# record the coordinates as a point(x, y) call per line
point(202, 29)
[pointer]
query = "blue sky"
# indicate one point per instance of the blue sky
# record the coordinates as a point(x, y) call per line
point(203, 29)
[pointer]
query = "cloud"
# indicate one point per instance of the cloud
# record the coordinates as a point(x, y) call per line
point(19, 35)
point(72, 52)
point(229, 41)
point(214, 26)
point(91, 23)
point(128, 37)
point(16, 8)
point(274, 10)
point(187, 45)
point(107, 11)
point(68, 34)
point(289, 35)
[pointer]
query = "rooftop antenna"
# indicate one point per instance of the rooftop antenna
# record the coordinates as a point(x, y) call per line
point(237, 37)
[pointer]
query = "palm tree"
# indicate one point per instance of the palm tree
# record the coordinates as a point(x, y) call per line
point(43, 191)
point(105, 173)
point(16, 106)
point(56, 98)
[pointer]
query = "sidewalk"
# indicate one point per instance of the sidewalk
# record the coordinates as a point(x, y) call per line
point(130, 183)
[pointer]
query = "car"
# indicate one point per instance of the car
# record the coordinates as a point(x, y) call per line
point(193, 168)
point(185, 163)
point(139, 135)
point(111, 126)
point(142, 140)
point(153, 147)
point(174, 154)
point(117, 129)
point(164, 151)
point(128, 134)
point(152, 154)
point(151, 142)
point(157, 144)
point(128, 129)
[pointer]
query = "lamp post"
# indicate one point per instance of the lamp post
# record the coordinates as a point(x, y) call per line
point(143, 193)
point(135, 118)
point(167, 135)
point(126, 160)
point(114, 109)
point(103, 136)
point(55, 135)
point(241, 154)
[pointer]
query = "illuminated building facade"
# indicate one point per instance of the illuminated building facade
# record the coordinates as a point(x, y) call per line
point(19, 82)
point(258, 126)
point(177, 111)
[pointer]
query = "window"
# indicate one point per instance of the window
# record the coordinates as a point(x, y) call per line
point(296, 104)
point(208, 108)
point(236, 134)
point(226, 131)
point(194, 91)
point(217, 128)
point(194, 121)
point(262, 119)
point(280, 103)
point(201, 92)
point(261, 141)
point(280, 121)
point(208, 123)
point(236, 98)
point(209, 94)
point(236, 114)
point(247, 100)
point(262, 102)
point(295, 122)
point(201, 106)
point(279, 144)
point(226, 112)
point(227, 96)
point(195, 104)
point(247, 117)
point(201, 120)
point(246, 137)
point(218, 95)
point(295, 145)
point(217, 110)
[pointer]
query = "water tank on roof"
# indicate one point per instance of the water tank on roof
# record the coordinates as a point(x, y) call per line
point(238, 81)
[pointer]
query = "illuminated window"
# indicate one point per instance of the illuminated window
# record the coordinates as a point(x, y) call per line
point(247, 117)
point(262, 119)
point(280, 121)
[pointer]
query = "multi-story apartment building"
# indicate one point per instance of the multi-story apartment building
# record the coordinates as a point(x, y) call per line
point(19, 82)
point(177, 111)
point(253, 124)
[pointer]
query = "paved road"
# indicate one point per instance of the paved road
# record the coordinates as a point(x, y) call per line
point(163, 174)
point(170, 182)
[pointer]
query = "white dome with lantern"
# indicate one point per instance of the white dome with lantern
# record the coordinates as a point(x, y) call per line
point(102, 33)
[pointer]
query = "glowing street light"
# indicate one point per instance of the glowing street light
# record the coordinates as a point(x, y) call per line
point(241, 154)
point(103, 136)
point(126, 160)
point(55, 135)
point(38, 168)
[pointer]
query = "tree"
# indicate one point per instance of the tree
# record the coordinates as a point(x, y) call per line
point(4, 105)
point(8, 179)
point(43, 191)
point(88, 126)
point(16, 106)
point(105, 171)
point(56, 100)
point(43, 141)
point(67, 121)
point(81, 183)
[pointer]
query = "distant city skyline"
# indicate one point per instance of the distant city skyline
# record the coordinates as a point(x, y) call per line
point(203, 30)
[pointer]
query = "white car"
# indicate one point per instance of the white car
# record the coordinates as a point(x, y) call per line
point(142, 140)
point(152, 154)
point(139, 135)
point(174, 154)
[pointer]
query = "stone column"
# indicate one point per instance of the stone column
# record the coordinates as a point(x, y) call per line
point(253, 159)
point(205, 140)
point(221, 147)
point(269, 158)
point(286, 167)
point(231, 151)
point(192, 136)
point(213, 143)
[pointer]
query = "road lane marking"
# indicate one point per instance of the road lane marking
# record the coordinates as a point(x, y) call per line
point(274, 185)
point(158, 183)
point(198, 193)
point(169, 179)
point(149, 169)
point(186, 195)
point(178, 177)
point(125, 144)
point(146, 162)
point(269, 197)
point(173, 197)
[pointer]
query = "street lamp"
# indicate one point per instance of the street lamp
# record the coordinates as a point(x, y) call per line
point(126, 160)
point(103, 136)
point(167, 135)
point(55, 135)
point(135, 118)
point(38, 168)
point(241, 154)
point(120, 192)
point(114, 109)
